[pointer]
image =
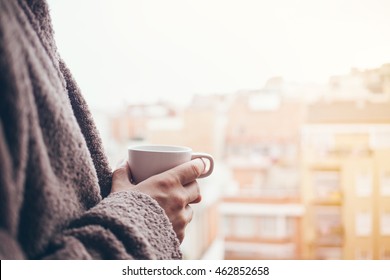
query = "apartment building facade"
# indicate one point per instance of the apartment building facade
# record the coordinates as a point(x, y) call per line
point(262, 217)
point(345, 180)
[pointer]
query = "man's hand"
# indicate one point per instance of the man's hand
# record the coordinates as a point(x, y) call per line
point(174, 190)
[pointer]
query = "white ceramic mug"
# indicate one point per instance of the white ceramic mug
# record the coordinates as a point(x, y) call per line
point(148, 160)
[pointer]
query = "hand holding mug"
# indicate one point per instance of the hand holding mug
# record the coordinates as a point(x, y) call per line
point(173, 189)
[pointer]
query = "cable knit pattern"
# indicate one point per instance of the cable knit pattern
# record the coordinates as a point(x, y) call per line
point(54, 176)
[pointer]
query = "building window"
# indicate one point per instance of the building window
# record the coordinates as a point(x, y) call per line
point(385, 254)
point(326, 184)
point(329, 253)
point(385, 224)
point(380, 139)
point(291, 226)
point(267, 227)
point(227, 225)
point(385, 183)
point(245, 227)
point(362, 254)
point(276, 227)
point(363, 224)
point(363, 183)
point(328, 225)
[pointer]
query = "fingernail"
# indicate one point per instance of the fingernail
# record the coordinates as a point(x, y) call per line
point(204, 164)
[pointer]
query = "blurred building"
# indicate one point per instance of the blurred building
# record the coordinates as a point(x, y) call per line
point(262, 216)
point(346, 180)
point(129, 126)
point(200, 125)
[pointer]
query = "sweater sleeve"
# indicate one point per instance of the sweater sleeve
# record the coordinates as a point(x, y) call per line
point(9, 246)
point(125, 225)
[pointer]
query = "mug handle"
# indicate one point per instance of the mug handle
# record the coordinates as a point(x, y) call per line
point(209, 158)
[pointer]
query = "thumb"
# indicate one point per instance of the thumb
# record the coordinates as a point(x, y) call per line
point(122, 172)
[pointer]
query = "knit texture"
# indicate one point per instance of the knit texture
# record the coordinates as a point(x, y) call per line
point(54, 176)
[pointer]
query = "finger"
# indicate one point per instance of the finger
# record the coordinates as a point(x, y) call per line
point(197, 200)
point(193, 192)
point(184, 220)
point(190, 214)
point(122, 172)
point(189, 171)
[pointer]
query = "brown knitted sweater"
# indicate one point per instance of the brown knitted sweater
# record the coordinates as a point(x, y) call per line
point(54, 177)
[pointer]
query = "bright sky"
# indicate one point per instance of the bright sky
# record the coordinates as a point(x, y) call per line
point(124, 50)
